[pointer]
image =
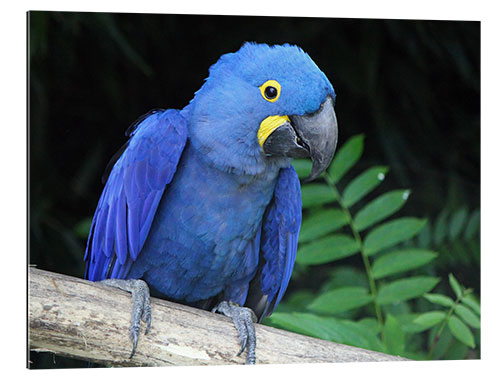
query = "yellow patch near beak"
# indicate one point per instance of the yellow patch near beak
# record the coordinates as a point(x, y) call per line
point(269, 125)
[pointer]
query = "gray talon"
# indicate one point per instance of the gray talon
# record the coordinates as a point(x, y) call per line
point(243, 345)
point(147, 320)
point(141, 306)
point(243, 319)
point(134, 335)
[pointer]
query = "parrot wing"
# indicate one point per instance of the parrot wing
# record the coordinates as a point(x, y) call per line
point(280, 233)
point(132, 193)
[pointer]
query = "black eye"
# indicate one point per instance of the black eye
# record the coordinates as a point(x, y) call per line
point(270, 92)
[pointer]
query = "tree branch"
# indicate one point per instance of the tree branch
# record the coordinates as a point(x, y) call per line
point(80, 319)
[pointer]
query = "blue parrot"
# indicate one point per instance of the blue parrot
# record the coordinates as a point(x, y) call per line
point(202, 206)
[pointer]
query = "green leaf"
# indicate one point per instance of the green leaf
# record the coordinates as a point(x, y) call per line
point(457, 223)
point(302, 167)
point(473, 225)
point(363, 184)
point(380, 208)
point(307, 324)
point(297, 300)
point(429, 319)
point(317, 195)
point(327, 249)
point(461, 332)
point(320, 223)
point(439, 299)
point(424, 237)
point(327, 328)
point(357, 335)
point(392, 233)
point(455, 285)
point(400, 261)
point(443, 343)
point(457, 350)
point(468, 316)
point(370, 324)
point(396, 309)
point(406, 321)
point(440, 227)
point(404, 289)
point(470, 301)
point(301, 298)
point(341, 299)
point(346, 157)
point(341, 276)
point(394, 336)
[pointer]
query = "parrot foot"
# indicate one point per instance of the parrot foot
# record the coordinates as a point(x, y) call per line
point(141, 306)
point(243, 319)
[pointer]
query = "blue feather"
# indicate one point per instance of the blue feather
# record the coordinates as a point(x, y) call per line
point(132, 193)
point(280, 236)
point(121, 248)
point(133, 230)
point(109, 236)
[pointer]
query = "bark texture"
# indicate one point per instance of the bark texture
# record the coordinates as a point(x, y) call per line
point(84, 320)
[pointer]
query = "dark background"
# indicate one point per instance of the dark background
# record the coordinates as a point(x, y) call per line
point(412, 87)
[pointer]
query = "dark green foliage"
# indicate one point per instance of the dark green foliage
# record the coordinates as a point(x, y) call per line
point(455, 234)
point(377, 306)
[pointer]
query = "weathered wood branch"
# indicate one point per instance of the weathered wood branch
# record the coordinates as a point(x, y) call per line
point(84, 320)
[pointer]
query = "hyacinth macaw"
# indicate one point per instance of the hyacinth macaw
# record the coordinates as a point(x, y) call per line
point(202, 204)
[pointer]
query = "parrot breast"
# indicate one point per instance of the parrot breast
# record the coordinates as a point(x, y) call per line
point(205, 236)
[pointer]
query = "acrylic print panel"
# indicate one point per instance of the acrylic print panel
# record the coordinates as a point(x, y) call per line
point(373, 267)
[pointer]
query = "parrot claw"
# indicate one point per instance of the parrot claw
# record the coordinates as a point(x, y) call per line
point(141, 306)
point(243, 319)
point(243, 345)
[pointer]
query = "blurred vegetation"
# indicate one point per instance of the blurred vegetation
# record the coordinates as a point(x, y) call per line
point(385, 304)
point(410, 87)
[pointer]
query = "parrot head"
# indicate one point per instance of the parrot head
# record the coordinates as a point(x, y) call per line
point(261, 106)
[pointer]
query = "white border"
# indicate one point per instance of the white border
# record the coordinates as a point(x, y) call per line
point(13, 156)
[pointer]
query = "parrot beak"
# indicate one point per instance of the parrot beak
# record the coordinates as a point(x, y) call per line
point(311, 135)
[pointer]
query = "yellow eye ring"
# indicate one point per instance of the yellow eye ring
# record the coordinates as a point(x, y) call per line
point(270, 90)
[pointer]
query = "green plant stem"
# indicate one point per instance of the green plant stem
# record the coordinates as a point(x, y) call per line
point(366, 260)
point(445, 321)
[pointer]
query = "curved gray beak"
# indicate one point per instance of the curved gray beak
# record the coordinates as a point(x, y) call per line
point(311, 135)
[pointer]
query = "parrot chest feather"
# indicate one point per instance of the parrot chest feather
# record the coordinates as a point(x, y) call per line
point(205, 235)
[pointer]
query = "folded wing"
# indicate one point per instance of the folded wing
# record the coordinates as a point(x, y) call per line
point(132, 194)
point(280, 233)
